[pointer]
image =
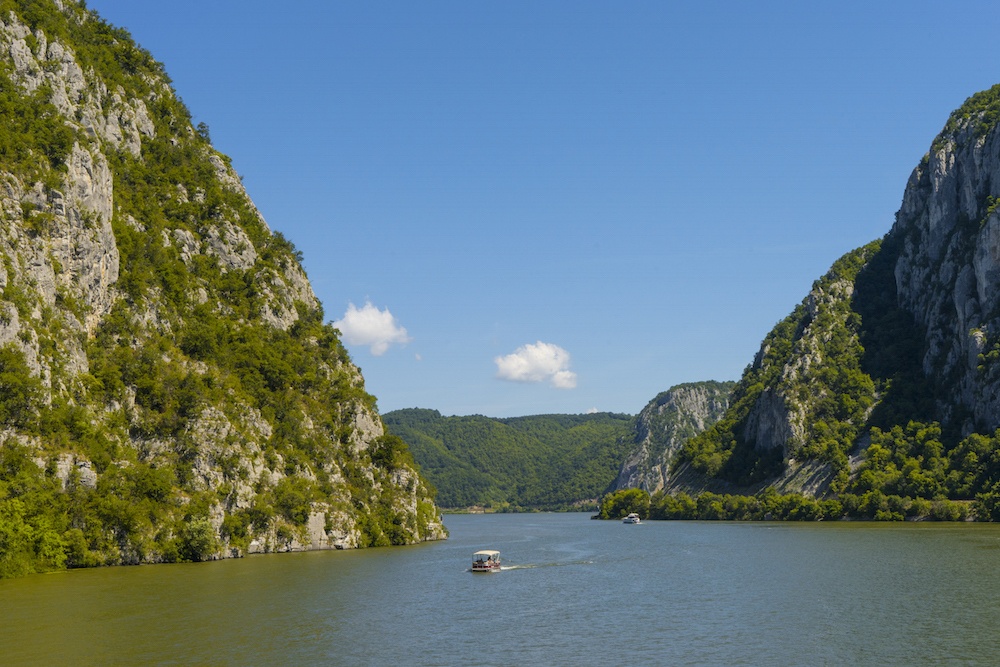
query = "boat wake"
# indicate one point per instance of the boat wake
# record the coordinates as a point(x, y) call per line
point(532, 566)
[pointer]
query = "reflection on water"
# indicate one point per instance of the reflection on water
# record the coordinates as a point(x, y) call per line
point(572, 591)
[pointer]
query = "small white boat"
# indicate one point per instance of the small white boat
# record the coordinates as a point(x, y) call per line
point(631, 518)
point(486, 561)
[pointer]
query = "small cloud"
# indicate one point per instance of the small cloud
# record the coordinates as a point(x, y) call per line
point(418, 357)
point(377, 329)
point(538, 362)
point(592, 411)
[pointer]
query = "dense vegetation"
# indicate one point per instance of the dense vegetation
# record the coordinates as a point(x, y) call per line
point(769, 505)
point(536, 462)
point(193, 350)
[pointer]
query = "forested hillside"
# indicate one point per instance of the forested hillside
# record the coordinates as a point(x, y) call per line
point(168, 387)
point(536, 462)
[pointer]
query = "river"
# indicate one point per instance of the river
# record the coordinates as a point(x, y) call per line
point(573, 592)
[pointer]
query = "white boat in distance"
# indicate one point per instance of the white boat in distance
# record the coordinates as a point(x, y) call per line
point(486, 561)
point(631, 518)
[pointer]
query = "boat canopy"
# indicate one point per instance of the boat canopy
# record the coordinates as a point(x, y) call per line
point(488, 554)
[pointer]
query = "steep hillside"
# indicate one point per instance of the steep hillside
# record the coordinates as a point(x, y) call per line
point(539, 462)
point(895, 354)
point(168, 388)
point(663, 426)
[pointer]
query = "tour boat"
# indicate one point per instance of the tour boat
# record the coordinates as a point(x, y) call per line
point(631, 518)
point(486, 561)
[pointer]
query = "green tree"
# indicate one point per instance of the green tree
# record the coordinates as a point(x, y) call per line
point(197, 539)
point(621, 503)
point(20, 390)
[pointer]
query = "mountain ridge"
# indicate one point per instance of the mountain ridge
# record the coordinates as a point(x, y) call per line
point(553, 461)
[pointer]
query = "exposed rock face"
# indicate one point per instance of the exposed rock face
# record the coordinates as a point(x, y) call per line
point(948, 270)
point(174, 355)
point(770, 424)
point(663, 426)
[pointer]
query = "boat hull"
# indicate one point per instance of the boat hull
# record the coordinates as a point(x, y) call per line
point(486, 568)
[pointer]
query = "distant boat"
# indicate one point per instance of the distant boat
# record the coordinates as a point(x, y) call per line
point(631, 518)
point(486, 561)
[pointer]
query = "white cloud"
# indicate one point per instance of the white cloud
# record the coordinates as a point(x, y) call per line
point(592, 411)
point(370, 326)
point(539, 362)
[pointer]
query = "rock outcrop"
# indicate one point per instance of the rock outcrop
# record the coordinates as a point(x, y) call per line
point(662, 428)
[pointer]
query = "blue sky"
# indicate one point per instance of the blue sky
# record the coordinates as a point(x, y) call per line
point(519, 208)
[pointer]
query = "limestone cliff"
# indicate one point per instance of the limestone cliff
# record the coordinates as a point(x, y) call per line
point(169, 389)
point(664, 425)
point(947, 272)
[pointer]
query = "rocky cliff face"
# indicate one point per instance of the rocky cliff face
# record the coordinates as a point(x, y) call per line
point(904, 329)
point(948, 269)
point(163, 359)
point(664, 425)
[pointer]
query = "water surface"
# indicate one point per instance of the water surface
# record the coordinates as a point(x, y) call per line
point(573, 591)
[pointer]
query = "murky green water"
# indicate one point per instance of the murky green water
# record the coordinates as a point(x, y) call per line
point(575, 591)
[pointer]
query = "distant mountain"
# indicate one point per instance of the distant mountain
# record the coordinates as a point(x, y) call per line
point(536, 462)
point(886, 378)
point(168, 387)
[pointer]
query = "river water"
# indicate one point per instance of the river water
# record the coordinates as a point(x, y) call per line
point(573, 592)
